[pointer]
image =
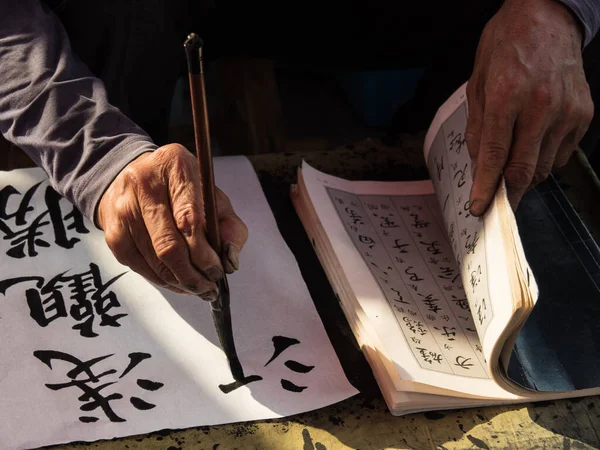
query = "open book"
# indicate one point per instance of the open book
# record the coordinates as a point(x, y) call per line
point(442, 303)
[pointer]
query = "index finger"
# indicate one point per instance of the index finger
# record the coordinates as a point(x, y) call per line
point(234, 233)
point(185, 196)
point(496, 138)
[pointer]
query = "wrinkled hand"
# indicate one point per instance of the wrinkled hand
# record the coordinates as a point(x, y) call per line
point(529, 102)
point(153, 222)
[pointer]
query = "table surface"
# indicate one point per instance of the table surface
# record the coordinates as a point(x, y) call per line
point(364, 422)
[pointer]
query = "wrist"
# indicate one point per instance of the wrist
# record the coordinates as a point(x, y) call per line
point(556, 19)
point(568, 15)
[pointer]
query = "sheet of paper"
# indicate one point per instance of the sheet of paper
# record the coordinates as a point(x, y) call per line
point(90, 350)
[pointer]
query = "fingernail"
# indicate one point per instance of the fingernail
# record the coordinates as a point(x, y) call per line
point(233, 256)
point(474, 207)
point(209, 296)
point(213, 273)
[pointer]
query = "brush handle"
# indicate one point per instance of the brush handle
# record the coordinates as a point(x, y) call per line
point(193, 48)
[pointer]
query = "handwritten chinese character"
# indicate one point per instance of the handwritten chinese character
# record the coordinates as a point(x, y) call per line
point(448, 332)
point(481, 311)
point(429, 356)
point(431, 302)
point(415, 326)
point(432, 247)
point(89, 296)
point(461, 176)
point(418, 222)
point(456, 142)
point(475, 277)
point(398, 298)
point(366, 240)
point(447, 272)
point(413, 274)
point(400, 247)
point(27, 236)
point(83, 377)
point(463, 363)
point(356, 218)
point(386, 222)
point(461, 302)
point(471, 243)
point(280, 344)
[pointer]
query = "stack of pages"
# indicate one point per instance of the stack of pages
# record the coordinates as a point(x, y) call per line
point(436, 297)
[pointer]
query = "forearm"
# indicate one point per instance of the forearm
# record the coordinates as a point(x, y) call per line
point(588, 13)
point(53, 108)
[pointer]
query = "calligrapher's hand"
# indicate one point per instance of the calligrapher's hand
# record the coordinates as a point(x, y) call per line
point(153, 222)
point(529, 102)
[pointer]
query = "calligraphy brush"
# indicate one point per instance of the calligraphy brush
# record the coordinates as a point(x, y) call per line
point(220, 308)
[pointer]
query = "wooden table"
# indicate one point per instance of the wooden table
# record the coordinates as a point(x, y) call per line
point(363, 422)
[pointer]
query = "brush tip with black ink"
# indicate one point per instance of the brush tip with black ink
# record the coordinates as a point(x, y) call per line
point(236, 369)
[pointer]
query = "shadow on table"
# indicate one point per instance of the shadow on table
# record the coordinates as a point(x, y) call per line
point(577, 420)
point(364, 422)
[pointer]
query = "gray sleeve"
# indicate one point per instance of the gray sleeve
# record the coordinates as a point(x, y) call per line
point(53, 108)
point(588, 13)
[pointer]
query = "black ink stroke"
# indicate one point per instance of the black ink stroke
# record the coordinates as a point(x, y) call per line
point(445, 202)
point(140, 404)
point(298, 367)
point(88, 419)
point(227, 388)
point(281, 343)
point(439, 167)
point(289, 386)
point(134, 359)
point(149, 385)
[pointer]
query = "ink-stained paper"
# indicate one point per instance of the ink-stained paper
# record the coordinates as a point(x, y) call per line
point(90, 350)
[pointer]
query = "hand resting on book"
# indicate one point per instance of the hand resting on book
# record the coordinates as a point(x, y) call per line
point(529, 102)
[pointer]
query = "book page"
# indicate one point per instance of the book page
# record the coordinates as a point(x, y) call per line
point(479, 244)
point(405, 248)
point(450, 165)
point(390, 241)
